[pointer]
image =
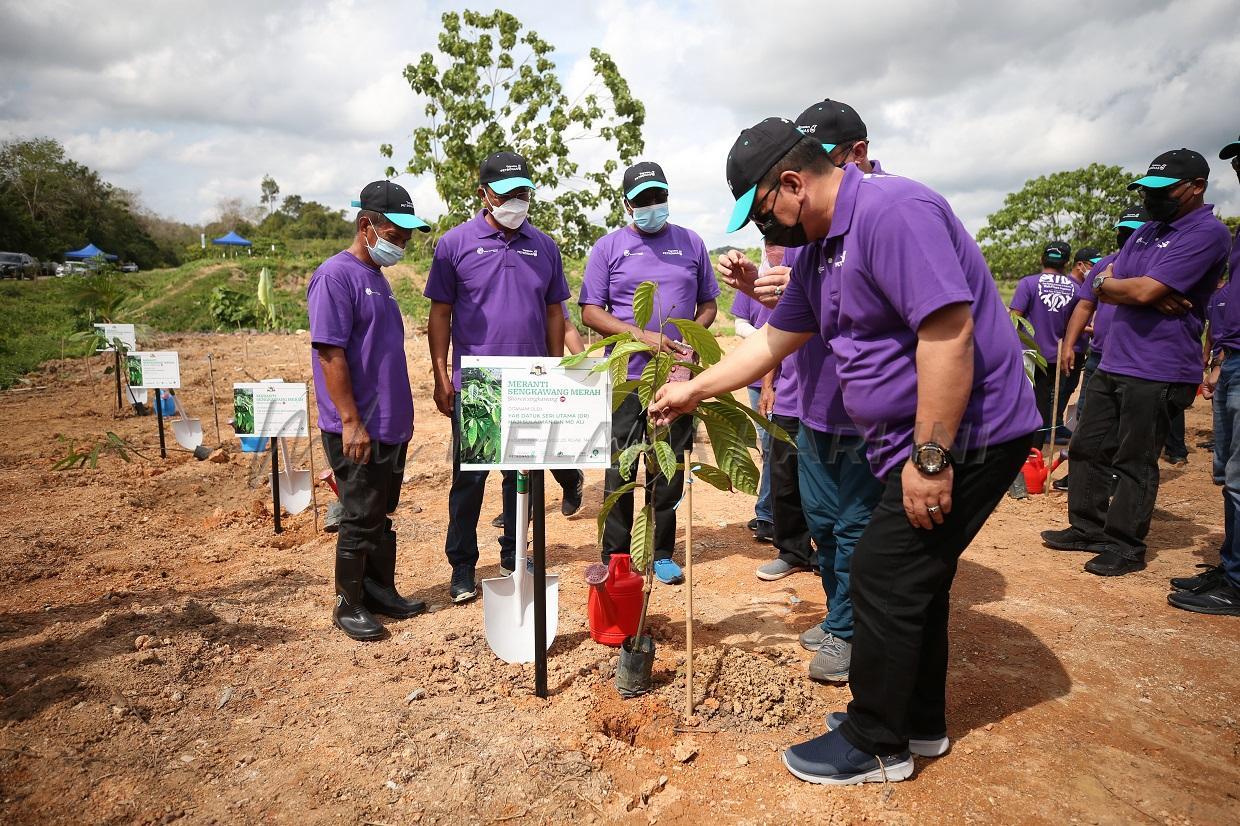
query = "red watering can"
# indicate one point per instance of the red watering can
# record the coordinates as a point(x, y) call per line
point(615, 602)
point(1036, 471)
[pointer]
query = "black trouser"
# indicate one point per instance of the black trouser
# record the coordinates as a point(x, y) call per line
point(791, 539)
point(465, 506)
point(1123, 431)
point(368, 493)
point(901, 582)
point(1044, 390)
point(628, 427)
point(1175, 444)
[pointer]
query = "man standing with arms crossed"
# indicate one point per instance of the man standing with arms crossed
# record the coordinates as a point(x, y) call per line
point(496, 285)
point(931, 370)
point(361, 385)
point(1160, 283)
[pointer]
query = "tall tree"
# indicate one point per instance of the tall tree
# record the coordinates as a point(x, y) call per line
point(1080, 207)
point(499, 90)
point(269, 190)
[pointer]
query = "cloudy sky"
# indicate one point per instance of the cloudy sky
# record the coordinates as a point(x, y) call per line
point(187, 103)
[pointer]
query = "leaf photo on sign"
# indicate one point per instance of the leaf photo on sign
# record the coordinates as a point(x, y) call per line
point(243, 411)
point(481, 408)
point(133, 365)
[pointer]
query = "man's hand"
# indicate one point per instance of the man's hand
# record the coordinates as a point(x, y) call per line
point(771, 285)
point(444, 397)
point(766, 400)
point(663, 344)
point(672, 400)
point(737, 271)
point(356, 442)
point(1211, 381)
point(922, 493)
point(1067, 359)
point(1173, 304)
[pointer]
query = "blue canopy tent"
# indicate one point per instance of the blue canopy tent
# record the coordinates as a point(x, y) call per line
point(232, 239)
point(88, 252)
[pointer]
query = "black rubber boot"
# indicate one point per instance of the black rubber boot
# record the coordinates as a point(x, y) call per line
point(350, 615)
point(380, 594)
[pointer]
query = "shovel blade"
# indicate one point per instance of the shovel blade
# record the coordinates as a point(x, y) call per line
point(502, 601)
point(295, 491)
point(187, 432)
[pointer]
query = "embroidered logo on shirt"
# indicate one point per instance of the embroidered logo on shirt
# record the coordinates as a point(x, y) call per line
point(484, 251)
point(1162, 245)
point(627, 253)
point(672, 252)
point(531, 253)
point(839, 262)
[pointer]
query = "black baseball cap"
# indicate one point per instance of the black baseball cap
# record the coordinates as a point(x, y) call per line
point(1057, 251)
point(1231, 150)
point(504, 172)
point(757, 149)
point(392, 200)
point(1133, 217)
point(832, 122)
point(642, 176)
point(1171, 167)
point(1090, 254)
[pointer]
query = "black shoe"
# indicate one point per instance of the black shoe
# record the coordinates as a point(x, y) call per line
point(1112, 563)
point(463, 587)
point(764, 531)
point(572, 499)
point(1222, 599)
point(1070, 539)
point(379, 593)
point(1209, 578)
point(1060, 484)
point(498, 522)
point(753, 524)
point(350, 615)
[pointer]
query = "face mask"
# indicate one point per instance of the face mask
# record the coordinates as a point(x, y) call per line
point(778, 234)
point(650, 218)
point(510, 214)
point(384, 253)
point(1160, 204)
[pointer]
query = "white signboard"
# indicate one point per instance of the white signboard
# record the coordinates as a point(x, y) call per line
point(270, 409)
point(111, 332)
point(529, 413)
point(160, 369)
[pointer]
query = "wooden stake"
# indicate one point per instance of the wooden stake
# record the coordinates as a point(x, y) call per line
point(689, 584)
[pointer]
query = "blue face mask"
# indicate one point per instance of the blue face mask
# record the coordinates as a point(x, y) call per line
point(650, 218)
point(384, 253)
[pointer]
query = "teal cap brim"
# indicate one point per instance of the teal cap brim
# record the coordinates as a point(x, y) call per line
point(406, 221)
point(640, 188)
point(1129, 224)
point(509, 184)
point(828, 146)
point(740, 212)
point(1095, 260)
point(1153, 182)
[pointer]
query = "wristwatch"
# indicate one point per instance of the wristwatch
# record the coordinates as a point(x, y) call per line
point(931, 458)
point(1098, 279)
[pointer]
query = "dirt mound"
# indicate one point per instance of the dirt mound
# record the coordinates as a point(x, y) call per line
point(751, 688)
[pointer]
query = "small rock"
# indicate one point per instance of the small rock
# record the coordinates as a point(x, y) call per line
point(742, 760)
point(219, 456)
point(177, 697)
point(141, 641)
point(393, 785)
point(684, 751)
point(224, 697)
point(416, 694)
point(148, 657)
point(990, 726)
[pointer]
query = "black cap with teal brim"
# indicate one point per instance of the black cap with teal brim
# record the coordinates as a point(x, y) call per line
point(1171, 167)
point(1057, 251)
point(505, 171)
point(833, 123)
point(643, 176)
point(1231, 150)
point(393, 202)
point(757, 149)
point(1133, 217)
point(1090, 254)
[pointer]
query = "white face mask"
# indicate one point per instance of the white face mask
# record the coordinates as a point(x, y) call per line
point(510, 214)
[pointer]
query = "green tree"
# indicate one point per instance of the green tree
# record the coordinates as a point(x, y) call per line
point(269, 190)
point(499, 90)
point(1079, 207)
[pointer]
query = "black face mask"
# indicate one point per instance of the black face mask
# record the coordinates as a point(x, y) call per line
point(780, 235)
point(1161, 204)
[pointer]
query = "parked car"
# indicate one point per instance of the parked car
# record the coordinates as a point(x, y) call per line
point(72, 268)
point(18, 265)
point(129, 266)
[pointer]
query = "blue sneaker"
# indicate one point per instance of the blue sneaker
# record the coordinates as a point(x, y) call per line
point(922, 746)
point(831, 760)
point(668, 572)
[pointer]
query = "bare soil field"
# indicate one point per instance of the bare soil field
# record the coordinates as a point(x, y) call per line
point(164, 657)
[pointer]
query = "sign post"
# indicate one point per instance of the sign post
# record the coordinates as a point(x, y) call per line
point(160, 369)
point(276, 410)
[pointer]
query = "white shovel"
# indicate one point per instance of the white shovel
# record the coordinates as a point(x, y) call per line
point(296, 486)
point(508, 601)
point(187, 431)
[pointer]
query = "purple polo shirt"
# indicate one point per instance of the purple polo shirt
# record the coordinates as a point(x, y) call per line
point(351, 305)
point(1225, 305)
point(821, 402)
point(745, 308)
point(1047, 299)
point(1102, 311)
point(674, 258)
point(499, 289)
point(1187, 255)
point(898, 254)
point(787, 392)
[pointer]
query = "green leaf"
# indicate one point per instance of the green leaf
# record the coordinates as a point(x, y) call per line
point(628, 457)
point(666, 457)
point(609, 503)
point(607, 342)
point(643, 303)
point(621, 391)
point(654, 375)
point(730, 448)
point(700, 339)
point(757, 418)
point(712, 476)
point(641, 540)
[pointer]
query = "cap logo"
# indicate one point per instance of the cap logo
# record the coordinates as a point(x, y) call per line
point(808, 130)
point(512, 167)
point(407, 204)
point(1158, 166)
point(648, 174)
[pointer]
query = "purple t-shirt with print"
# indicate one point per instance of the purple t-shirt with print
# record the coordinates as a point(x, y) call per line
point(1225, 305)
point(899, 254)
point(499, 289)
point(352, 306)
point(674, 258)
point(1047, 300)
point(1187, 255)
